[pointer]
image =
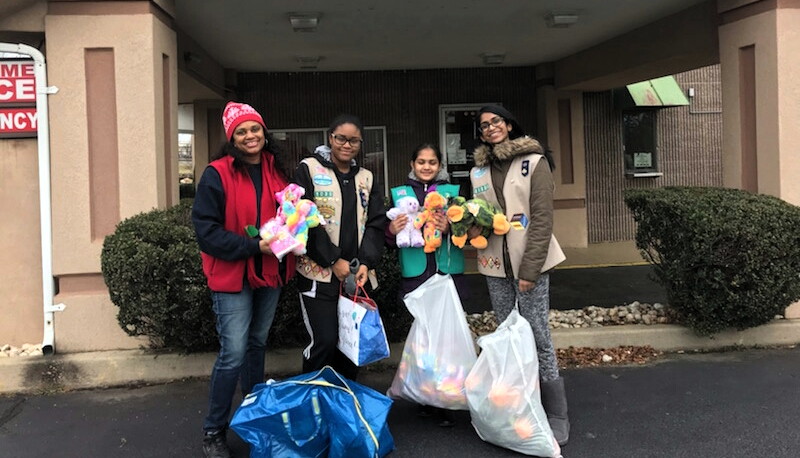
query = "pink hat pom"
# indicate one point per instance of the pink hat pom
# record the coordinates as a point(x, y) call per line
point(236, 113)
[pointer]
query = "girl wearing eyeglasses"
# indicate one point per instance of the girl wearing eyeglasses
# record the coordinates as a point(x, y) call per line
point(355, 217)
point(513, 171)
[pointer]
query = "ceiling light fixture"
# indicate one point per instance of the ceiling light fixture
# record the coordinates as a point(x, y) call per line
point(308, 62)
point(560, 20)
point(493, 59)
point(304, 22)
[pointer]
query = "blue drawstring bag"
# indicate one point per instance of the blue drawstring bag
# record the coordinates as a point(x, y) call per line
point(314, 415)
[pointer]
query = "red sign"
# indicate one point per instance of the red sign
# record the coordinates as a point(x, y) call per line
point(17, 82)
point(17, 99)
point(17, 120)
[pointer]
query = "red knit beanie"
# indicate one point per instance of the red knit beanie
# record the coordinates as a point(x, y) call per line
point(237, 113)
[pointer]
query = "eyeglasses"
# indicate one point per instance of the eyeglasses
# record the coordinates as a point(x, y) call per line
point(494, 122)
point(340, 140)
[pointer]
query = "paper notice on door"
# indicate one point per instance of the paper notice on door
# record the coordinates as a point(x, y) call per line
point(452, 143)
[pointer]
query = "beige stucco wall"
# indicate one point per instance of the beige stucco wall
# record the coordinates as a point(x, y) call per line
point(20, 246)
point(788, 61)
point(777, 63)
point(138, 41)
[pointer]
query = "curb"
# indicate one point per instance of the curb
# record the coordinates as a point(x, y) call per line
point(125, 367)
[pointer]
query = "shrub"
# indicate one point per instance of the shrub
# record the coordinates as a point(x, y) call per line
point(726, 257)
point(151, 265)
point(395, 316)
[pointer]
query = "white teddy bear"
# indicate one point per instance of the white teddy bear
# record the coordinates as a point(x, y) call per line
point(409, 236)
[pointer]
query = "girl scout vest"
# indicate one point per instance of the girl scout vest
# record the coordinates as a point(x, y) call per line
point(516, 191)
point(328, 198)
point(449, 258)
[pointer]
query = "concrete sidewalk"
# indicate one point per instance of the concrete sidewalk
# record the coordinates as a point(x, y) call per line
point(116, 368)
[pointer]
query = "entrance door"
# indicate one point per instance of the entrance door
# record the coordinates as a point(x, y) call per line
point(458, 137)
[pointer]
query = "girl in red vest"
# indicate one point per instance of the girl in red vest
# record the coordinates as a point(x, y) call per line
point(236, 190)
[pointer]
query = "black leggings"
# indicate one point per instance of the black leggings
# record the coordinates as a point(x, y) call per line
point(322, 323)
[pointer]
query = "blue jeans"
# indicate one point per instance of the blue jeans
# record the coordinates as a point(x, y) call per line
point(243, 322)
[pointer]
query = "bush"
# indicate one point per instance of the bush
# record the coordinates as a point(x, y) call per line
point(151, 265)
point(726, 257)
point(395, 316)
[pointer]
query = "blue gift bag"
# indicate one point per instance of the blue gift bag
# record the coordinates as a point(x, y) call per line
point(362, 337)
point(313, 415)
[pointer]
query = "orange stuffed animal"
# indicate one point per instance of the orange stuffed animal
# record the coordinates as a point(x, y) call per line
point(434, 203)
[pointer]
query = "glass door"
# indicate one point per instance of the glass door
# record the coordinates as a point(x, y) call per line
point(458, 139)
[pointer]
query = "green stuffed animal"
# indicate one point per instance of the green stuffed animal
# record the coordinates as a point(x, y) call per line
point(463, 214)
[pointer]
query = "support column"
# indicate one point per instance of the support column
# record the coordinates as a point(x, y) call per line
point(114, 146)
point(759, 45)
point(559, 117)
point(760, 59)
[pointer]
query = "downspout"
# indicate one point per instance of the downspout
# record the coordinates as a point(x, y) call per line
point(45, 213)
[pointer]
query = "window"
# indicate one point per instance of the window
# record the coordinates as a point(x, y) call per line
point(639, 139)
point(300, 143)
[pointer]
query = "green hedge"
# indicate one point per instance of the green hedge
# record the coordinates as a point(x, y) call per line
point(151, 265)
point(727, 258)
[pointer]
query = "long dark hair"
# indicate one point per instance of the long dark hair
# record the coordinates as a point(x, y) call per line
point(516, 130)
point(270, 146)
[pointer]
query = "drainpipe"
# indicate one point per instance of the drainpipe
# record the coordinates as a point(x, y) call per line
point(43, 141)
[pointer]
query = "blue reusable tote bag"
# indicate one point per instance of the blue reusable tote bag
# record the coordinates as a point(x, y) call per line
point(362, 337)
point(316, 414)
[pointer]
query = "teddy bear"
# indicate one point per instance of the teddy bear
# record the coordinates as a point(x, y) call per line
point(287, 231)
point(409, 236)
point(434, 203)
point(464, 214)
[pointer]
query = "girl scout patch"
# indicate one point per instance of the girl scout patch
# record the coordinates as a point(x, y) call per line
point(526, 167)
point(480, 172)
point(322, 180)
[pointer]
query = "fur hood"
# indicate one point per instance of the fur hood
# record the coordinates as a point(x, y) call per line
point(484, 155)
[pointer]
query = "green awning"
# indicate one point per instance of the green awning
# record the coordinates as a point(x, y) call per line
point(657, 93)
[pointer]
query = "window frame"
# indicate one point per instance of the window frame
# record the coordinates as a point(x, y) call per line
point(630, 170)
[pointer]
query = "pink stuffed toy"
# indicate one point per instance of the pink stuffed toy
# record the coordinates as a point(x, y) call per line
point(287, 231)
point(409, 236)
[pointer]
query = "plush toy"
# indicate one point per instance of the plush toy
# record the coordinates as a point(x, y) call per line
point(434, 203)
point(409, 236)
point(460, 221)
point(287, 231)
point(475, 212)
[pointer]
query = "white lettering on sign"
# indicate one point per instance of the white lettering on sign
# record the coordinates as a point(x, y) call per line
point(17, 120)
point(17, 81)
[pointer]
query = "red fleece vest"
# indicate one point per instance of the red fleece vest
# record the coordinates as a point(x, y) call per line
point(240, 211)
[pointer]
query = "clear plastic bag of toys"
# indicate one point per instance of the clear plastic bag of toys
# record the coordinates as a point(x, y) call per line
point(504, 394)
point(439, 350)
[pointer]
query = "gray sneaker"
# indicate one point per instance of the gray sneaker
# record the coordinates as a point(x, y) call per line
point(215, 446)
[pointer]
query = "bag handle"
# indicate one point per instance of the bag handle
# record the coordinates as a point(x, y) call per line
point(367, 306)
point(346, 388)
point(287, 424)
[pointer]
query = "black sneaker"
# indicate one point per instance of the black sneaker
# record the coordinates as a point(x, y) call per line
point(215, 445)
point(424, 411)
point(446, 418)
